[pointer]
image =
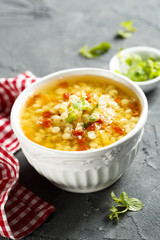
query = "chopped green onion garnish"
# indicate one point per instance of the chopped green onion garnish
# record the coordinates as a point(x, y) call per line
point(80, 104)
point(92, 118)
point(139, 69)
point(71, 117)
point(127, 30)
point(128, 25)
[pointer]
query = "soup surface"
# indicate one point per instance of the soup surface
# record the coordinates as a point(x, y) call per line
point(79, 113)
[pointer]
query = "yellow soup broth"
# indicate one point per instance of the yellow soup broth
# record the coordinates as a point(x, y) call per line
point(79, 113)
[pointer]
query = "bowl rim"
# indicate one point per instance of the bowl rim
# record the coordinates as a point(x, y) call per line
point(95, 71)
point(138, 49)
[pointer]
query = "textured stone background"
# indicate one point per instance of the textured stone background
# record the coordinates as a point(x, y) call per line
point(44, 36)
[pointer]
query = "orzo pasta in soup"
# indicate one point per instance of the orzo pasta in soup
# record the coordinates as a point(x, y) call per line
point(79, 113)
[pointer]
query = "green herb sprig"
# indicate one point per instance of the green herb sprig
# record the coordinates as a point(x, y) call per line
point(124, 203)
point(127, 29)
point(95, 51)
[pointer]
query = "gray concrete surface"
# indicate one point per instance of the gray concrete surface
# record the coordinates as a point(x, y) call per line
point(44, 36)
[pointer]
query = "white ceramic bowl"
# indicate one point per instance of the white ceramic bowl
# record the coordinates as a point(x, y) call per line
point(144, 52)
point(82, 171)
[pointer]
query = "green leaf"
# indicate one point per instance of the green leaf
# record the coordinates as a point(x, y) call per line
point(135, 204)
point(113, 209)
point(101, 48)
point(84, 51)
point(71, 117)
point(95, 51)
point(128, 25)
point(124, 34)
point(127, 30)
point(117, 200)
point(92, 118)
point(113, 196)
point(124, 199)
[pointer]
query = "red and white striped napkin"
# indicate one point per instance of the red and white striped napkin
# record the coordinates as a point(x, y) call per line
point(10, 88)
point(21, 211)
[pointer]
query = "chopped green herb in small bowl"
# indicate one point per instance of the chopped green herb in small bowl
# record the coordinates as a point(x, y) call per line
point(140, 64)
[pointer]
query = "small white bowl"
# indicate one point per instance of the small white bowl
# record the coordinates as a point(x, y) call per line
point(144, 52)
point(82, 171)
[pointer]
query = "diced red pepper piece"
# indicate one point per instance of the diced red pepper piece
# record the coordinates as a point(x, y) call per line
point(118, 100)
point(67, 95)
point(82, 143)
point(100, 120)
point(89, 96)
point(81, 139)
point(31, 100)
point(77, 132)
point(63, 85)
point(117, 129)
point(91, 127)
point(47, 114)
point(135, 113)
point(82, 148)
point(45, 123)
point(135, 109)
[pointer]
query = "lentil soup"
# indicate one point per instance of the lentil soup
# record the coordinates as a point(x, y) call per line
point(79, 113)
